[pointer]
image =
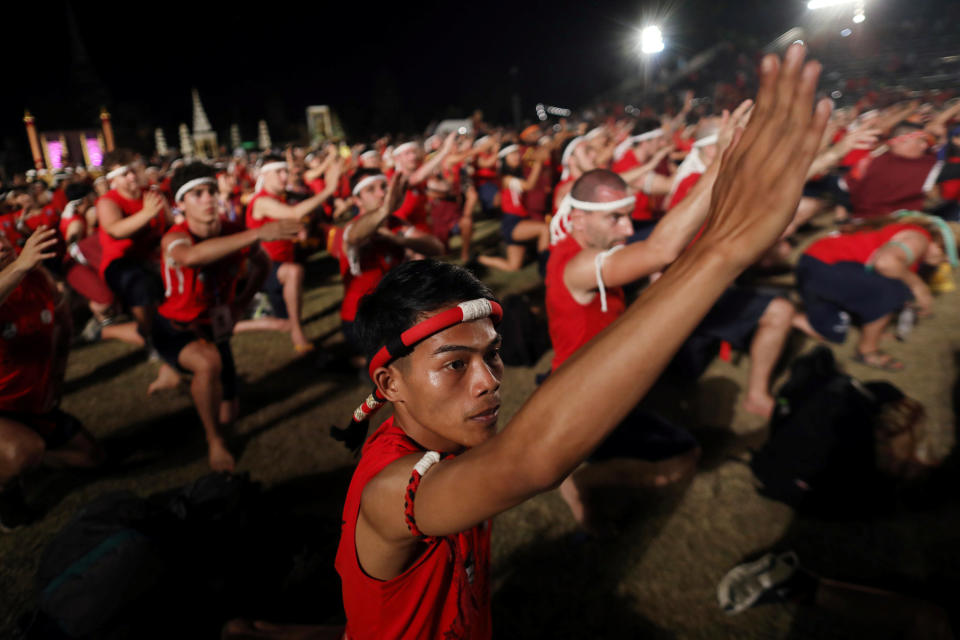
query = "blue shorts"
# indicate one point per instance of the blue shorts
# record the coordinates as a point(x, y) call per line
point(734, 317)
point(486, 194)
point(508, 223)
point(835, 294)
point(274, 290)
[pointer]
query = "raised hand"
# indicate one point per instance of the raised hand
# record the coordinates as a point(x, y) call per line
point(153, 203)
point(730, 123)
point(762, 173)
point(37, 248)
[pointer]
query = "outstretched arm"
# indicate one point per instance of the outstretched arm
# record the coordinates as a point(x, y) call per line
point(39, 247)
point(180, 247)
point(270, 208)
point(754, 198)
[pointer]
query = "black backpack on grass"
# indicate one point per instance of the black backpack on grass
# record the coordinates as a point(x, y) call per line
point(820, 456)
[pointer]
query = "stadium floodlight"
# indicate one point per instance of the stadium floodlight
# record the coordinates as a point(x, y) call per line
point(813, 5)
point(651, 40)
point(859, 17)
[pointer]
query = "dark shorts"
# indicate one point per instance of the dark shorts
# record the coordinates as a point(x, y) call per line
point(835, 294)
point(134, 282)
point(487, 193)
point(56, 427)
point(734, 317)
point(642, 435)
point(828, 187)
point(169, 340)
point(274, 290)
point(508, 223)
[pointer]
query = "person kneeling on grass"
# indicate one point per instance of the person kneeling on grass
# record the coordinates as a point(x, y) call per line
point(202, 260)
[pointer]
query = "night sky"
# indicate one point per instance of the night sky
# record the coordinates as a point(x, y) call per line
point(380, 68)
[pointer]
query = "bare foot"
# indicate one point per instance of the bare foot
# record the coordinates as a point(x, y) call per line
point(571, 495)
point(167, 378)
point(219, 458)
point(759, 405)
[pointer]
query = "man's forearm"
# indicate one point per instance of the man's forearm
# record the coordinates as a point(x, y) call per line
point(209, 251)
point(260, 267)
point(584, 400)
point(127, 227)
point(427, 169)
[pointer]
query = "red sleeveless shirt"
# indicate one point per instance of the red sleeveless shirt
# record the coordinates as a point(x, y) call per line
point(373, 260)
point(572, 324)
point(192, 291)
point(142, 245)
point(278, 250)
point(27, 333)
point(444, 594)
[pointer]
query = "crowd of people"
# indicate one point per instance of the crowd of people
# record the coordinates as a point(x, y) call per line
point(175, 255)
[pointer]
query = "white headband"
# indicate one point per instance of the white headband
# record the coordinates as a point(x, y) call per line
point(706, 141)
point(273, 166)
point(593, 133)
point(369, 154)
point(565, 158)
point(119, 171)
point(558, 230)
point(403, 147)
point(624, 146)
point(368, 181)
point(190, 184)
point(507, 150)
point(479, 142)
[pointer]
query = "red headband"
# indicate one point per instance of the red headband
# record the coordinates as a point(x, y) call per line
point(354, 435)
point(912, 134)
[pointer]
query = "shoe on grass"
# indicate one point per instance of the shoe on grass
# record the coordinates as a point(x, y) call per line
point(759, 582)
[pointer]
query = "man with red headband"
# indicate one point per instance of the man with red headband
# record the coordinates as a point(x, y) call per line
point(414, 550)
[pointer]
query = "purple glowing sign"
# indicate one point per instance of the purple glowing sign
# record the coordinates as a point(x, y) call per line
point(55, 149)
point(94, 152)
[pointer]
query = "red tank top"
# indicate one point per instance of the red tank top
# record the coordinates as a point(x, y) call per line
point(572, 324)
point(511, 200)
point(483, 175)
point(413, 209)
point(373, 259)
point(278, 250)
point(142, 245)
point(444, 594)
point(27, 333)
point(683, 189)
point(860, 246)
point(192, 291)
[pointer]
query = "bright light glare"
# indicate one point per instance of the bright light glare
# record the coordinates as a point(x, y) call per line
point(845, 33)
point(821, 4)
point(859, 18)
point(651, 40)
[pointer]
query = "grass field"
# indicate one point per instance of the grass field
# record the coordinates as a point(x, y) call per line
point(653, 576)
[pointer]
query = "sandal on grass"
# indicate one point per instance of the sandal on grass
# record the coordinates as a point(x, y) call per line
point(879, 360)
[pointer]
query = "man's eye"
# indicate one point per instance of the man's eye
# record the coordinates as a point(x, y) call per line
point(494, 355)
point(456, 365)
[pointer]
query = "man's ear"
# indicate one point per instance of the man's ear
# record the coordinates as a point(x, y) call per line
point(388, 381)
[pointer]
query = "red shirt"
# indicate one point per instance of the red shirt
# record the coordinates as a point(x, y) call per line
point(8, 227)
point(683, 189)
point(643, 209)
point(142, 245)
point(278, 250)
point(59, 199)
point(48, 216)
point(572, 324)
point(890, 183)
point(27, 339)
point(413, 209)
point(374, 258)
point(859, 246)
point(192, 291)
point(511, 201)
point(444, 594)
